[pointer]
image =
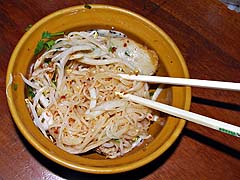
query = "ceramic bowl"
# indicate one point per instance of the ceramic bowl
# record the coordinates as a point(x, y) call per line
point(135, 27)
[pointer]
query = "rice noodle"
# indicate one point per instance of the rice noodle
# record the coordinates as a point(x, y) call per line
point(74, 99)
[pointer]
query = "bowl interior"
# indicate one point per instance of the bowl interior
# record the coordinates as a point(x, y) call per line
point(134, 26)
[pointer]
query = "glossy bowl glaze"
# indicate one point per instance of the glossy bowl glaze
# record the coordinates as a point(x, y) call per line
point(135, 27)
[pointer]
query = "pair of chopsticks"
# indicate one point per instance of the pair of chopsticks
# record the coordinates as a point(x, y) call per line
point(190, 116)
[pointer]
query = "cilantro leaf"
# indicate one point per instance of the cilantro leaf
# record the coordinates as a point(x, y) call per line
point(30, 92)
point(46, 42)
point(47, 35)
point(39, 47)
point(48, 45)
point(15, 86)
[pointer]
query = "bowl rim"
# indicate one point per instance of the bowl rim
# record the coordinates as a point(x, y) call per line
point(74, 166)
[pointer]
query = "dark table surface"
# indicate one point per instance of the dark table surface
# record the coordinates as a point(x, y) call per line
point(207, 34)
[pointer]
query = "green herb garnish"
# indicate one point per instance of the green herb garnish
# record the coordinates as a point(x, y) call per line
point(39, 47)
point(42, 121)
point(15, 86)
point(46, 42)
point(47, 60)
point(54, 80)
point(151, 94)
point(30, 92)
point(48, 35)
point(49, 44)
point(127, 53)
point(117, 140)
point(87, 6)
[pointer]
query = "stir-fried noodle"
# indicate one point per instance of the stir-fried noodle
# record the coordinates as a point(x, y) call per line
point(72, 95)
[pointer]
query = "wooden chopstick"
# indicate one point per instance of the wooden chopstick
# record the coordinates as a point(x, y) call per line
point(190, 116)
point(184, 81)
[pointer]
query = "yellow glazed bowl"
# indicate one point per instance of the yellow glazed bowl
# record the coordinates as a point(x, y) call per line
point(135, 27)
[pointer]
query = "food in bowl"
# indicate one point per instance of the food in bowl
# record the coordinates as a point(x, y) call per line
point(71, 92)
point(137, 28)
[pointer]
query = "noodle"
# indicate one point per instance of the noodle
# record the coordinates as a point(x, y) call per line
point(74, 102)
